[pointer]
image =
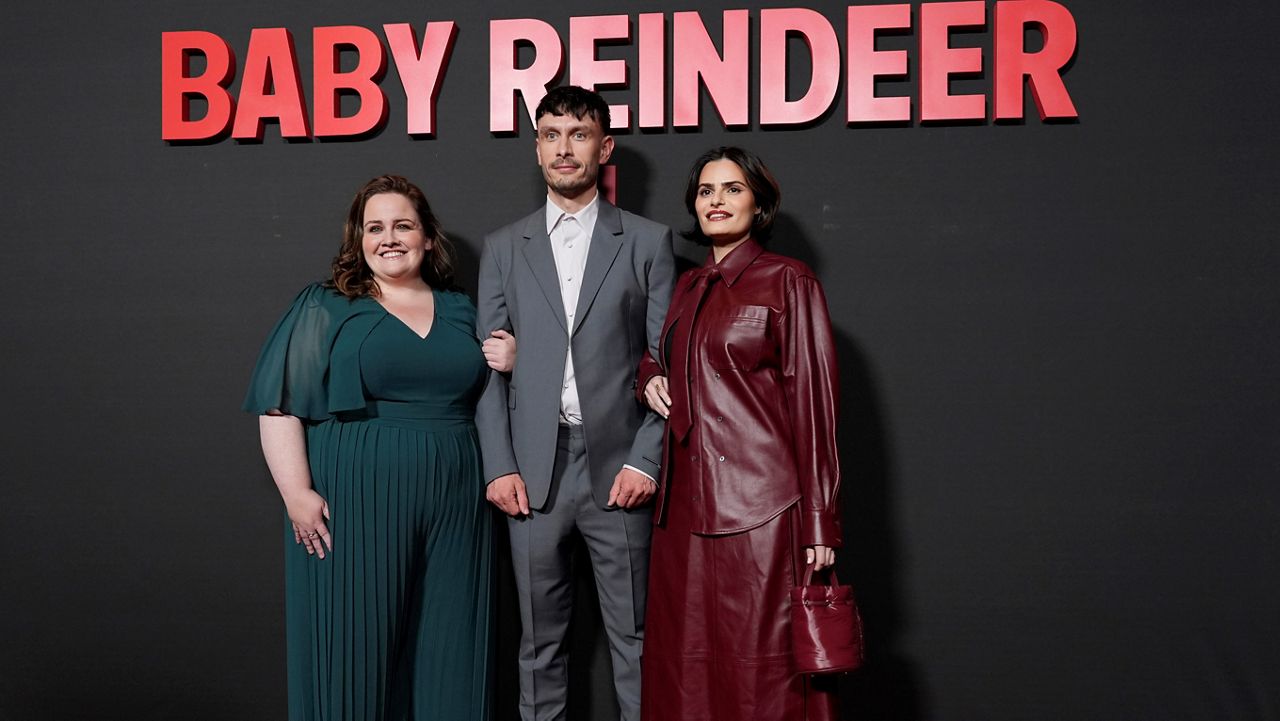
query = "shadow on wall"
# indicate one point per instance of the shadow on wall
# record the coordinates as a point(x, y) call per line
point(888, 687)
point(466, 263)
point(633, 181)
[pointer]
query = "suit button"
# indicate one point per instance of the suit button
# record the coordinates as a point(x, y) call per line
point(694, 457)
point(717, 375)
point(719, 419)
point(722, 459)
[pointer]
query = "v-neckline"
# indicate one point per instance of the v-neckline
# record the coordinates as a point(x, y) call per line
point(435, 316)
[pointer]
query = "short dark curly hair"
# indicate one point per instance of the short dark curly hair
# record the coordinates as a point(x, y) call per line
point(352, 276)
point(763, 186)
point(576, 101)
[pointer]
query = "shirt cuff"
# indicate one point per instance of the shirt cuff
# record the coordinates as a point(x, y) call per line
point(637, 470)
point(819, 528)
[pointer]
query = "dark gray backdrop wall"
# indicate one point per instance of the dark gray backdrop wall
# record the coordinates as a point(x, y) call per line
point(1059, 351)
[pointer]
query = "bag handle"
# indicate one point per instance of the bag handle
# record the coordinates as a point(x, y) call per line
point(829, 570)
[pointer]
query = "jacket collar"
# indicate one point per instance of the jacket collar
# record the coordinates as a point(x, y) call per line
point(607, 214)
point(606, 242)
point(586, 216)
point(732, 265)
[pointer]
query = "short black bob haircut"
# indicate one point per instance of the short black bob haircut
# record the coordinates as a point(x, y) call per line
point(575, 101)
point(763, 186)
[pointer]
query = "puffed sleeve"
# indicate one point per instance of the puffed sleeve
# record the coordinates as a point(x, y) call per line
point(298, 373)
point(811, 384)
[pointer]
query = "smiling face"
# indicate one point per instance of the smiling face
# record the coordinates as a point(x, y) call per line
point(724, 204)
point(570, 151)
point(394, 242)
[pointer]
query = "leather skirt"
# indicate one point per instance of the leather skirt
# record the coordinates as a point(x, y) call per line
point(717, 626)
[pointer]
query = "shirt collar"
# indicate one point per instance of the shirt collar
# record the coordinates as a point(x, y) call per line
point(732, 265)
point(586, 217)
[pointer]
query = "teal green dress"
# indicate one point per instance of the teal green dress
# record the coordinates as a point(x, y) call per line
point(394, 623)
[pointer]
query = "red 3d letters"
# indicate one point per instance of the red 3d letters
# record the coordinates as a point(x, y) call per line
point(670, 54)
point(271, 87)
point(722, 65)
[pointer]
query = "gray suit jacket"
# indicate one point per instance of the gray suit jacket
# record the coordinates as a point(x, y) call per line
point(626, 288)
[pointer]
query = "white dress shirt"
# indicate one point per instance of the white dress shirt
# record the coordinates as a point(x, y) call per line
point(570, 235)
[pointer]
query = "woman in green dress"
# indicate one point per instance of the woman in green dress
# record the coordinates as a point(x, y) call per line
point(366, 390)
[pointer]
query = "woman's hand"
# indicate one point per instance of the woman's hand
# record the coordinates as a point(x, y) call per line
point(820, 556)
point(308, 512)
point(500, 351)
point(656, 395)
point(285, 447)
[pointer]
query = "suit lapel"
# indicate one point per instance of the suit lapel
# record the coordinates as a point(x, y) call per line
point(606, 241)
point(537, 253)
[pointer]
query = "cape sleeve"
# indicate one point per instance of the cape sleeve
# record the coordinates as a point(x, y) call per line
point(292, 374)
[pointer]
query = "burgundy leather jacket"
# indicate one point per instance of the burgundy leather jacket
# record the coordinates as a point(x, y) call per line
point(763, 381)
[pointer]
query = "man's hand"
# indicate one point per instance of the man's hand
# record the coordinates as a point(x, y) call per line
point(631, 489)
point(508, 494)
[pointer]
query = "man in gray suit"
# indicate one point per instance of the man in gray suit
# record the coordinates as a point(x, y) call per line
point(584, 287)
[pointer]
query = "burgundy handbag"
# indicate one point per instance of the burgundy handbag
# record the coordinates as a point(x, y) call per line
point(826, 629)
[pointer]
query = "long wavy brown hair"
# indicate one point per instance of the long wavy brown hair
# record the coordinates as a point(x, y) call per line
point(351, 274)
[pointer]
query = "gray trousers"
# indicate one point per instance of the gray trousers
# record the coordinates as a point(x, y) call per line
point(618, 543)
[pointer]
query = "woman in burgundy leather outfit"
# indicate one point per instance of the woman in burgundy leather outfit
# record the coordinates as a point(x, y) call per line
point(746, 377)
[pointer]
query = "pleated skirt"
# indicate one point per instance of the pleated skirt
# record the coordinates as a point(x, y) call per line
point(393, 625)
